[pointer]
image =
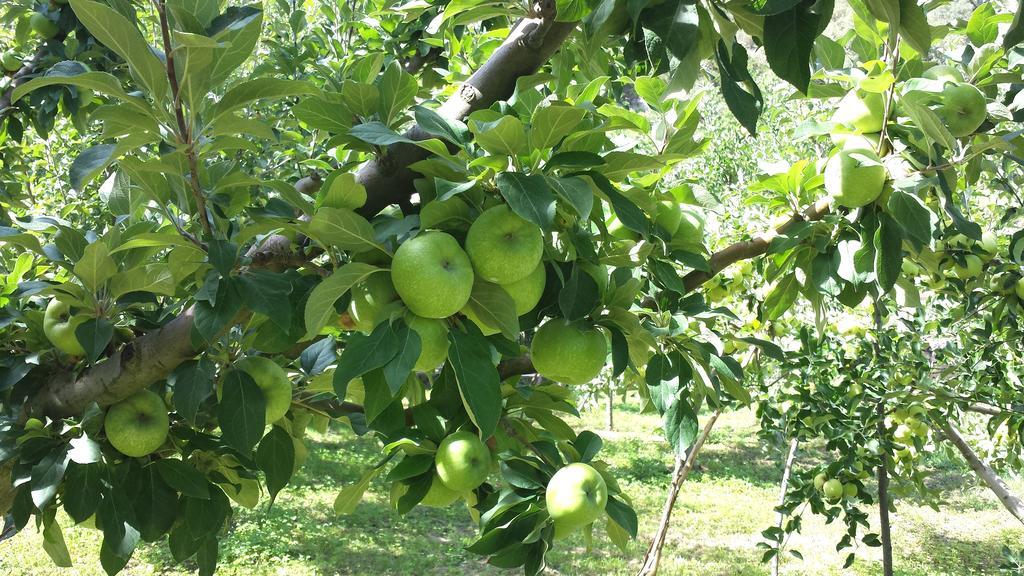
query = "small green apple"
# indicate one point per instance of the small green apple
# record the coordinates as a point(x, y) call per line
point(943, 73)
point(962, 109)
point(42, 25)
point(618, 230)
point(434, 343)
point(863, 111)
point(850, 491)
point(856, 140)
point(526, 293)
point(432, 274)
point(503, 247)
point(576, 496)
point(369, 298)
point(970, 269)
point(690, 232)
point(1019, 289)
point(667, 216)
point(439, 495)
point(854, 177)
point(463, 461)
point(819, 480)
point(989, 245)
point(11, 62)
point(59, 327)
point(33, 424)
point(833, 489)
point(273, 381)
point(137, 425)
point(568, 352)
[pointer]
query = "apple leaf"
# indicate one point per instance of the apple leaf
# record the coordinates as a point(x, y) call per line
point(276, 457)
point(94, 335)
point(622, 514)
point(888, 252)
point(476, 376)
point(364, 353)
point(183, 477)
point(192, 383)
point(343, 229)
point(529, 196)
point(408, 348)
point(320, 305)
point(83, 484)
point(241, 411)
point(495, 308)
point(350, 496)
point(53, 540)
point(680, 426)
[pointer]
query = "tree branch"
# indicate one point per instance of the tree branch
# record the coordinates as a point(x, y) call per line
point(389, 180)
point(1008, 499)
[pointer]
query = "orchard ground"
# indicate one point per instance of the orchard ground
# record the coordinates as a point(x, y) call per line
point(723, 508)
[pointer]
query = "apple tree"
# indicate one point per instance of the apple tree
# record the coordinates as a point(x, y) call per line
point(225, 224)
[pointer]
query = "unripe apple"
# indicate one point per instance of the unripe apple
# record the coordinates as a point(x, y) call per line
point(833, 489)
point(944, 73)
point(820, 480)
point(42, 25)
point(433, 275)
point(863, 111)
point(575, 496)
point(970, 269)
point(963, 108)
point(504, 247)
point(850, 491)
point(462, 461)
point(59, 327)
point(854, 177)
point(569, 352)
point(11, 62)
point(138, 425)
point(1019, 289)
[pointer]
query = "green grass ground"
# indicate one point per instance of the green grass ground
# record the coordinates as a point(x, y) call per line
point(718, 518)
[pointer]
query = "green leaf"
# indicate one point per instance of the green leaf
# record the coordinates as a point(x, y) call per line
point(789, 39)
point(911, 213)
point(378, 134)
point(209, 320)
point(156, 504)
point(320, 305)
point(680, 426)
point(100, 82)
point(90, 163)
point(120, 35)
point(629, 214)
point(364, 353)
point(183, 477)
point(259, 89)
point(324, 112)
point(276, 457)
point(505, 136)
point(192, 383)
point(570, 10)
point(928, 121)
point(95, 266)
point(477, 378)
point(741, 93)
point(914, 26)
point(397, 92)
point(341, 190)
point(154, 278)
point(781, 298)
point(241, 411)
point(983, 25)
point(119, 534)
point(53, 541)
point(580, 295)
point(237, 30)
point(495, 308)
point(434, 124)
point(676, 24)
point(265, 292)
point(1015, 33)
point(408, 348)
point(550, 124)
point(94, 335)
point(83, 487)
point(529, 196)
point(623, 515)
point(576, 192)
point(888, 252)
point(350, 496)
point(343, 229)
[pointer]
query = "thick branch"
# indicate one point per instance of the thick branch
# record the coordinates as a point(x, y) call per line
point(389, 180)
point(1009, 500)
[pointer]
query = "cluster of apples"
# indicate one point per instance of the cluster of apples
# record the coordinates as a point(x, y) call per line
point(834, 489)
point(432, 278)
point(909, 427)
point(855, 176)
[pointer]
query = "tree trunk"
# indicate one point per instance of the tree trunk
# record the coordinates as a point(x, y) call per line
point(682, 470)
point(883, 499)
point(610, 408)
point(794, 445)
point(1008, 499)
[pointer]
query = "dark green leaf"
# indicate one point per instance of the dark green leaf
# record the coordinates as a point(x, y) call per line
point(580, 295)
point(94, 335)
point(741, 93)
point(789, 39)
point(241, 411)
point(183, 477)
point(477, 377)
point(192, 383)
point(888, 252)
point(363, 353)
point(276, 457)
point(680, 426)
point(529, 196)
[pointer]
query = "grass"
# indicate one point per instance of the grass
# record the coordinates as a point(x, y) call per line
point(721, 511)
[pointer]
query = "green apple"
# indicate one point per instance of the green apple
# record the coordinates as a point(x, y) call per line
point(863, 111)
point(33, 424)
point(273, 381)
point(667, 216)
point(856, 140)
point(989, 245)
point(833, 489)
point(850, 491)
point(503, 247)
point(59, 327)
point(432, 274)
point(690, 232)
point(433, 335)
point(369, 298)
point(463, 461)
point(820, 480)
point(943, 73)
point(962, 108)
point(970, 269)
point(569, 352)
point(1019, 289)
point(439, 495)
point(42, 25)
point(576, 496)
point(11, 62)
point(903, 434)
point(854, 177)
point(526, 293)
point(137, 425)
